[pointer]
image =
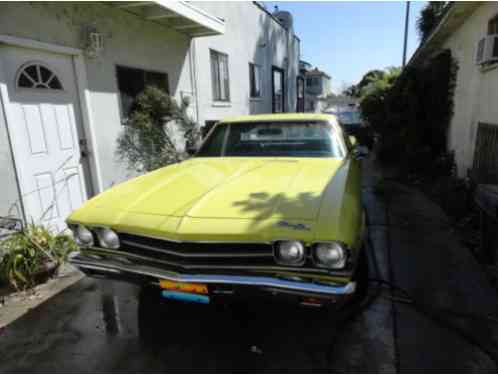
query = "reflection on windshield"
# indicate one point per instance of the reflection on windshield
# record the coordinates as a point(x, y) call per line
point(303, 139)
point(349, 117)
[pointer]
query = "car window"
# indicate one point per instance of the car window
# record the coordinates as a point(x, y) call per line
point(213, 145)
point(301, 139)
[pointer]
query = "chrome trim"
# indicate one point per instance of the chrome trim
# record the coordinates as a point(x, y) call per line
point(269, 282)
point(193, 241)
point(169, 239)
point(119, 253)
point(197, 255)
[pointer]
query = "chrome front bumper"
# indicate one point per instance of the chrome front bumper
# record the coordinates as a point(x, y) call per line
point(113, 269)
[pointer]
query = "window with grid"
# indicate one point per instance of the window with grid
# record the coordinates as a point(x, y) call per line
point(220, 78)
point(255, 80)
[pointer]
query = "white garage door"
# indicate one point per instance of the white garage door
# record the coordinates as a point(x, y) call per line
point(43, 118)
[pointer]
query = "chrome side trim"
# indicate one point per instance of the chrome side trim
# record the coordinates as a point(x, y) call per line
point(259, 281)
point(197, 255)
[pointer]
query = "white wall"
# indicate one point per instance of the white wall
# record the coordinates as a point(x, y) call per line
point(10, 204)
point(476, 94)
point(252, 36)
point(129, 41)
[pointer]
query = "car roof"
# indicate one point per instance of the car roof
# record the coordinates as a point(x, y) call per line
point(284, 117)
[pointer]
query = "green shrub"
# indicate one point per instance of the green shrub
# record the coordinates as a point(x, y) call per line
point(30, 256)
point(147, 142)
point(411, 113)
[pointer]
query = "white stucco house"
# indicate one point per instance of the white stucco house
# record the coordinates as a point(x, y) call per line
point(317, 88)
point(70, 71)
point(470, 31)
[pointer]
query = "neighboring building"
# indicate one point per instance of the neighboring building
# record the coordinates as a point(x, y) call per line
point(259, 53)
point(470, 31)
point(318, 87)
point(69, 73)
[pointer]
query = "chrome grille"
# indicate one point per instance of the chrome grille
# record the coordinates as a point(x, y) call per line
point(197, 256)
point(192, 255)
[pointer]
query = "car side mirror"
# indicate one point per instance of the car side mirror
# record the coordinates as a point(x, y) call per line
point(360, 152)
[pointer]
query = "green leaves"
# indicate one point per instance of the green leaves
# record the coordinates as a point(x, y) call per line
point(429, 17)
point(151, 138)
point(412, 111)
point(27, 255)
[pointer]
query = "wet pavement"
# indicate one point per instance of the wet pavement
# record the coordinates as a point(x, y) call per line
point(97, 326)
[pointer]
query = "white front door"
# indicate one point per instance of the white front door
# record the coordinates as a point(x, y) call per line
point(43, 118)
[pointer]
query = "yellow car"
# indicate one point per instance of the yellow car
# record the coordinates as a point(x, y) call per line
point(269, 205)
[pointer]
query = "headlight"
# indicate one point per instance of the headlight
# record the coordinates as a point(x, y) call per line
point(82, 235)
point(329, 255)
point(108, 238)
point(290, 253)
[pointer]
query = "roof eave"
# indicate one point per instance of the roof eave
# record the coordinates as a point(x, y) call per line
point(177, 15)
point(454, 18)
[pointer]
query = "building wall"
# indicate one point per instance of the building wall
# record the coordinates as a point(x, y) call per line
point(128, 41)
point(252, 36)
point(9, 203)
point(476, 92)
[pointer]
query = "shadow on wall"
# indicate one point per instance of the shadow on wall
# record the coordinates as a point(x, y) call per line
point(272, 43)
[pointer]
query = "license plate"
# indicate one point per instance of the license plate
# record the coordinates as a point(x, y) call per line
point(185, 297)
point(184, 287)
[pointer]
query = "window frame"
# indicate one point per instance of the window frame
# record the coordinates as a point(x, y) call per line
point(125, 117)
point(216, 76)
point(252, 74)
point(282, 72)
point(493, 21)
point(52, 70)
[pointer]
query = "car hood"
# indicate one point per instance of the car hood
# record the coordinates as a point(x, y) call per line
point(221, 191)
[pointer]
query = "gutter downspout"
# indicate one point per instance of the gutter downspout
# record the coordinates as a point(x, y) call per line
point(193, 76)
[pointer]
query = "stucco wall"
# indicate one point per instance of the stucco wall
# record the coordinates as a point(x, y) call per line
point(251, 36)
point(476, 92)
point(9, 202)
point(129, 41)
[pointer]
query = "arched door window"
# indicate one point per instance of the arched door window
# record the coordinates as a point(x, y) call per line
point(37, 76)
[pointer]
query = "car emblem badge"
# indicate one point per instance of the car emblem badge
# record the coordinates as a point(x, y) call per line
point(297, 226)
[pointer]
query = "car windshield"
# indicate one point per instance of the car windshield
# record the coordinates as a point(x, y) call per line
point(352, 117)
point(285, 139)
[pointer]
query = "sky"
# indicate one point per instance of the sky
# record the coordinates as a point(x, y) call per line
point(346, 39)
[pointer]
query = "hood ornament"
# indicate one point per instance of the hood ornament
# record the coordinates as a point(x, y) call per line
point(297, 226)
